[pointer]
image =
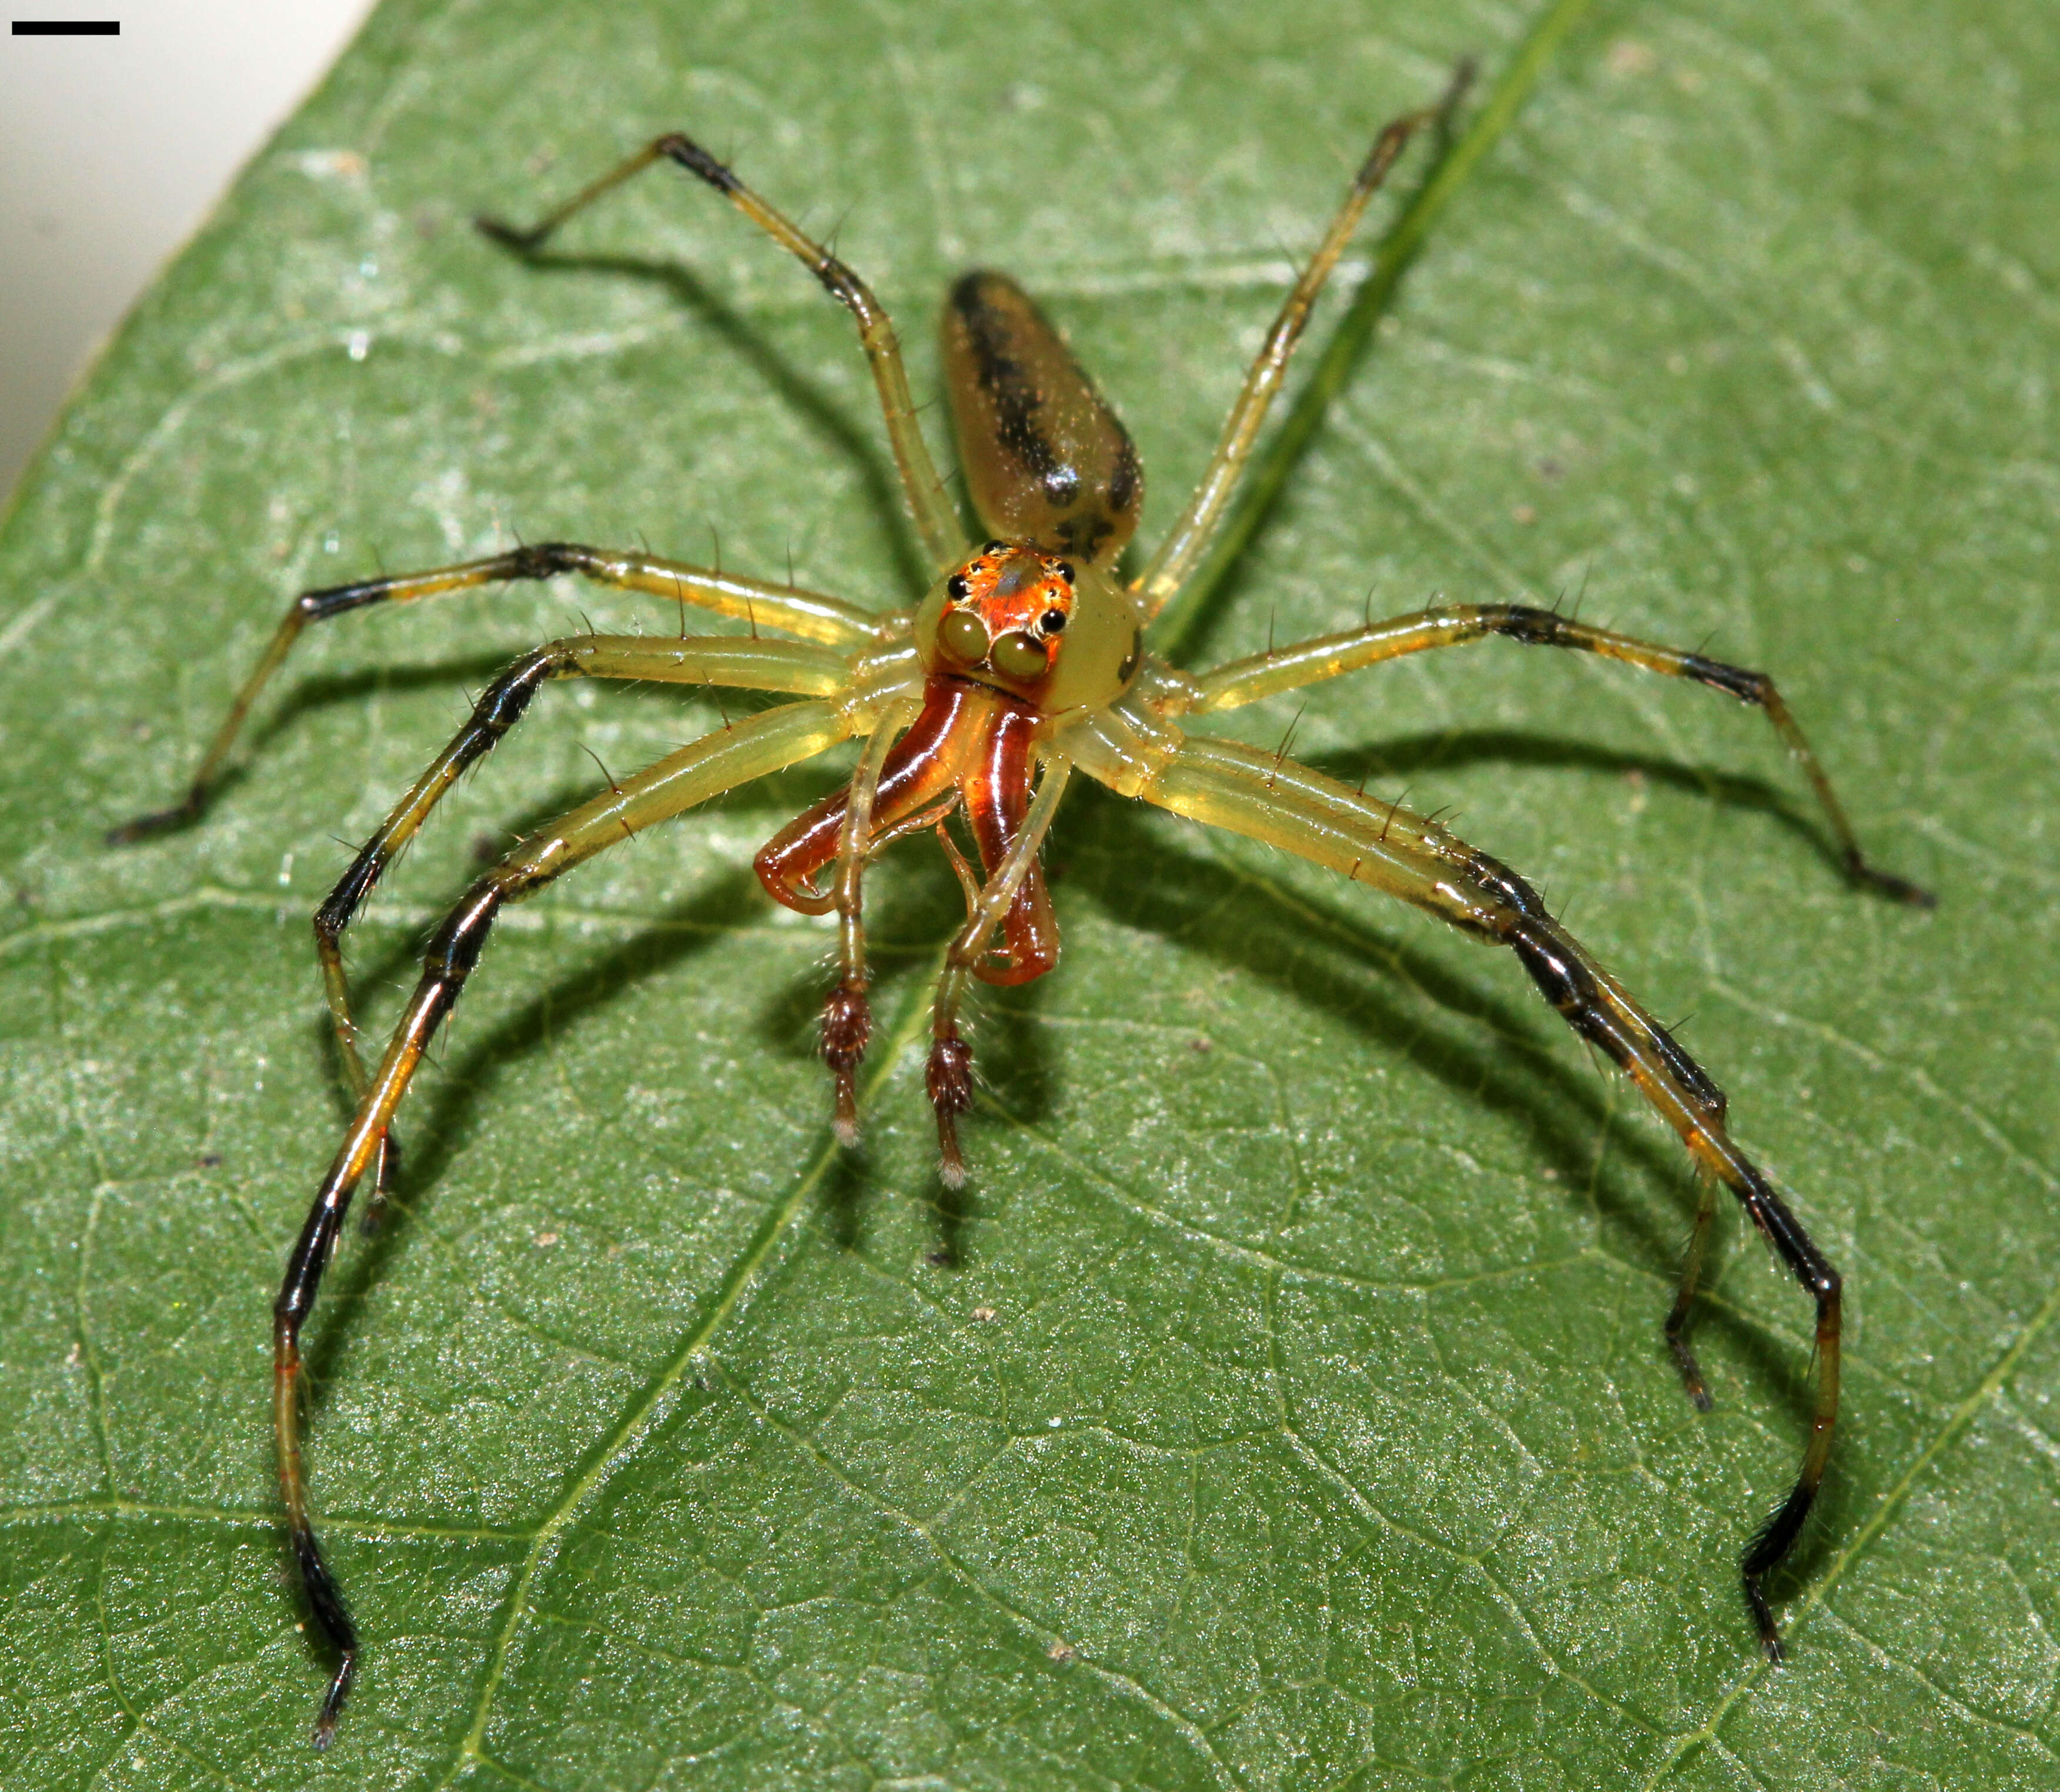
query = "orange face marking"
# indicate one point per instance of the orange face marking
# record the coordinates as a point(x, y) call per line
point(1016, 591)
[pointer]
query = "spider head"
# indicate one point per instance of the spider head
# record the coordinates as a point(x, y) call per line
point(1042, 628)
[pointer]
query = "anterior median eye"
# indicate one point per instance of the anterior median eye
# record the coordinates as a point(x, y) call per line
point(1017, 655)
point(962, 636)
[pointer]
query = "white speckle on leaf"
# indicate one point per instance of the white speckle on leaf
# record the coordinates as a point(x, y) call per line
point(331, 165)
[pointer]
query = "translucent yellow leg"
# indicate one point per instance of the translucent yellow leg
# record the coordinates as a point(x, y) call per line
point(801, 668)
point(1287, 805)
point(1188, 540)
point(1309, 662)
point(937, 517)
point(717, 762)
point(806, 614)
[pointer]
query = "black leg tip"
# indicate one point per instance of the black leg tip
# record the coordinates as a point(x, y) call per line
point(333, 1620)
point(332, 1705)
point(1762, 1616)
point(696, 161)
point(1692, 1383)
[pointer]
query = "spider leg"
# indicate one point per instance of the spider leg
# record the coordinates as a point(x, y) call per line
point(806, 614)
point(798, 667)
point(948, 1076)
point(717, 762)
point(936, 517)
point(1188, 540)
point(1243, 681)
point(847, 1022)
point(1286, 805)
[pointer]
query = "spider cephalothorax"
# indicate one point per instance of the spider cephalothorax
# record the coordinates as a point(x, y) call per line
point(1024, 663)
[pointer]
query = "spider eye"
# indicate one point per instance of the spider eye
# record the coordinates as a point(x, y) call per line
point(957, 587)
point(1052, 622)
point(1017, 655)
point(1065, 572)
point(962, 636)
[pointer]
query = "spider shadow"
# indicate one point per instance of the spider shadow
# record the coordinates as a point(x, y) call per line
point(852, 443)
point(327, 690)
point(1338, 964)
point(1408, 756)
point(320, 690)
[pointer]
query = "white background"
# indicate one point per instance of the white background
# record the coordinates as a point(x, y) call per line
point(112, 150)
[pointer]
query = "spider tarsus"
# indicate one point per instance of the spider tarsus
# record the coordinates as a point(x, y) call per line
point(332, 1619)
point(1762, 1615)
point(1692, 1383)
point(846, 1026)
point(691, 156)
point(949, 1079)
point(1676, 1328)
point(160, 821)
point(1775, 1538)
point(332, 1706)
point(1897, 889)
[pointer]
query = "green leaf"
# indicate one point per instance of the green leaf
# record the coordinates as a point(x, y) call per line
point(1285, 1405)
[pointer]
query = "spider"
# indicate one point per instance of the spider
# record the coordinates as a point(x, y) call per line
point(1025, 662)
